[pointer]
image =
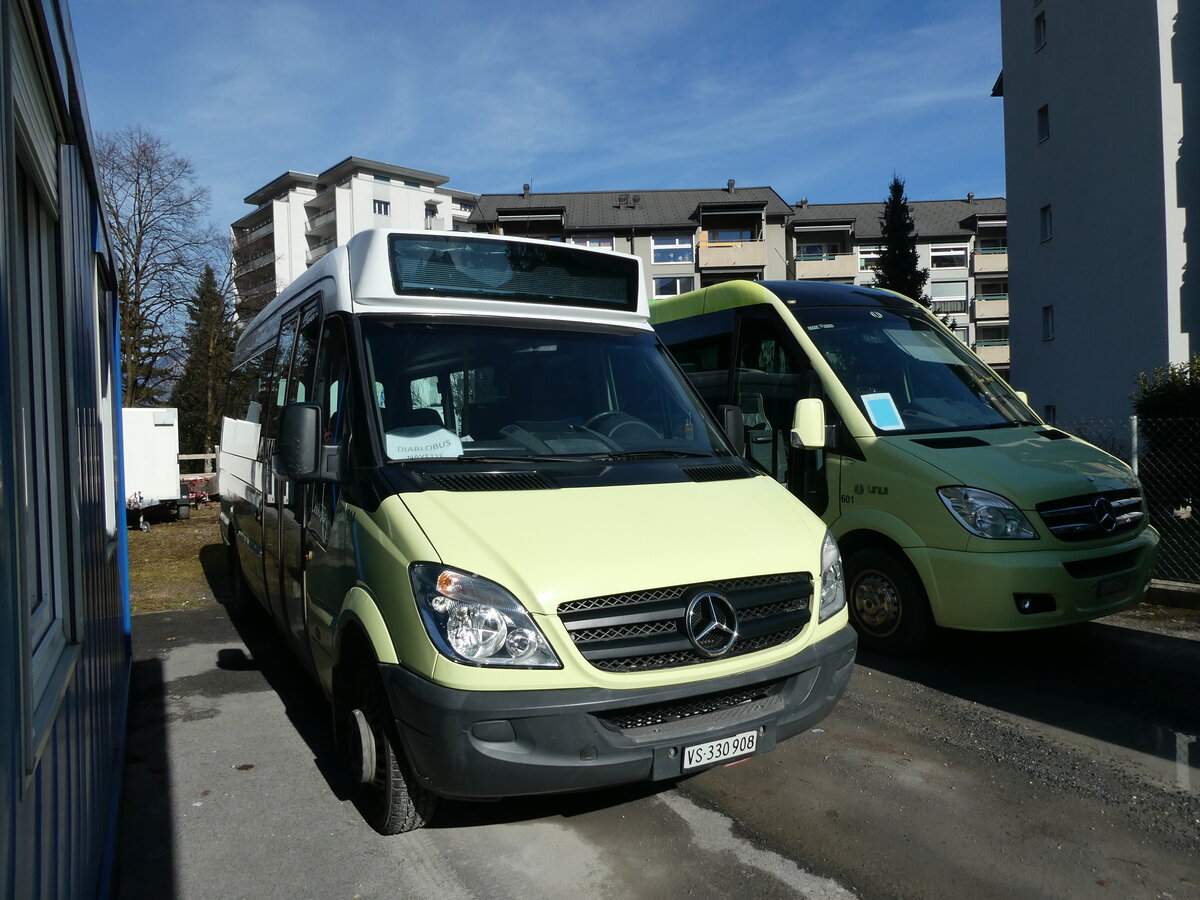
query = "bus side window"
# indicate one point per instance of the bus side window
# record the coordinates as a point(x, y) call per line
point(329, 391)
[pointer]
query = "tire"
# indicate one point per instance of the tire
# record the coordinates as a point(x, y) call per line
point(387, 792)
point(888, 604)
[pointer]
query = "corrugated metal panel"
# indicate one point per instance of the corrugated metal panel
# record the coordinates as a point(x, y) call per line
point(57, 811)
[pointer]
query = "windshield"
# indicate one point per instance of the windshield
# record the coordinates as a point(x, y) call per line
point(468, 391)
point(907, 375)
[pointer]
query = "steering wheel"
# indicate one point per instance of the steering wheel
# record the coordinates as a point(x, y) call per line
point(612, 421)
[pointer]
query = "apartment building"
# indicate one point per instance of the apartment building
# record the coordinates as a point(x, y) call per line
point(1101, 99)
point(298, 218)
point(686, 238)
point(963, 244)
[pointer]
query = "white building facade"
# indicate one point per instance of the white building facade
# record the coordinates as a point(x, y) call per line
point(298, 218)
point(1101, 99)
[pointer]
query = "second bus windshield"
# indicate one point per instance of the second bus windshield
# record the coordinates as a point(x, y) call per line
point(906, 374)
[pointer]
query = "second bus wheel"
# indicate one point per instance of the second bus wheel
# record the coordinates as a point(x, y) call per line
point(888, 605)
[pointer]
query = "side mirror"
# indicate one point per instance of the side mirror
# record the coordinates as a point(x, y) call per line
point(735, 430)
point(808, 425)
point(1022, 396)
point(299, 451)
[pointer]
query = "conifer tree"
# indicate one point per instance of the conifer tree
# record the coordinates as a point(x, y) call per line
point(898, 268)
point(199, 393)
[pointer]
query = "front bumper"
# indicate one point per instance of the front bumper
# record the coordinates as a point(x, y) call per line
point(478, 744)
point(979, 591)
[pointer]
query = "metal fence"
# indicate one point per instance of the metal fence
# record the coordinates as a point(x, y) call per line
point(1166, 455)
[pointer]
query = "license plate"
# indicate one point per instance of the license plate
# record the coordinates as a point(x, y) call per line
point(1112, 585)
point(718, 751)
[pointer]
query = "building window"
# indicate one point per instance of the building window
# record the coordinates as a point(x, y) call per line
point(673, 249)
point(1039, 31)
point(1043, 123)
point(949, 256)
point(992, 290)
point(382, 178)
point(729, 235)
point(1047, 323)
point(598, 241)
point(992, 245)
point(430, 212)
point(991, 334)
point(1047, 222)
point(383, 208)
point(411, 184)
point(948, 296)
point(671, 287)
point(868, 257)
point(815, 252)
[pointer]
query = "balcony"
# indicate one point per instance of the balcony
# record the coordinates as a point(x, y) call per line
point(990, 262)
point(991, 306)
point(435, 223)
point(829, 265)
point(251, 265)
point(245, 238)
point(992, 352)
point(318, 250)
point(741, 255)
point(320, 223)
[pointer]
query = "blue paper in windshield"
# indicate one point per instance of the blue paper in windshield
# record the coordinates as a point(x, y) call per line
point(882, 410)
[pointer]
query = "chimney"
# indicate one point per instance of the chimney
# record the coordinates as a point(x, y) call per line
point(729, 185)
point(803, 202)
point(970, 196)
point(525, 191)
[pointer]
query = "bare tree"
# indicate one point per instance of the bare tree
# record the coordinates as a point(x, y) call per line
point(162, 241)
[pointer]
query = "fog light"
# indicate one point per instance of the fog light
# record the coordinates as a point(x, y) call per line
point(1032, 604)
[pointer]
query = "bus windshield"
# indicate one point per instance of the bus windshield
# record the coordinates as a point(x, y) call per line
point(907, 375)
point(469, 390)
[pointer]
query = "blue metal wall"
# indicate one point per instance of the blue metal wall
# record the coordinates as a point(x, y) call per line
point(60, 782)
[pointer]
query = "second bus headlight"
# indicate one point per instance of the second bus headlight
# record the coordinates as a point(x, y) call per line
point(476, 621)
point(987, 515)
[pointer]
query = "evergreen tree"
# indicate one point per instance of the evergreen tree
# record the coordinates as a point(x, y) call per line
point(898, 267)
point(199, 393)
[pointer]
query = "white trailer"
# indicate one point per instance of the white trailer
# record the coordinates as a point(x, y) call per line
point(151, 438)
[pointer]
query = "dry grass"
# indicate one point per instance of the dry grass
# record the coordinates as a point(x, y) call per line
point(177, 564)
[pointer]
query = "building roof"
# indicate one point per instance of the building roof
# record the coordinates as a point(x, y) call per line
point(353, 164)
point(931, 218)
point(618, 210)
point(283, 183)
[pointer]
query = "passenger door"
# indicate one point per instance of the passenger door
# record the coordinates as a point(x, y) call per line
point(292, 498)
point(273, 485)
point(771, 374)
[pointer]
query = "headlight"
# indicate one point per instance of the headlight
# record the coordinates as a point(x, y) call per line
point(987, 515)
point(475, 621)
point(833, 583)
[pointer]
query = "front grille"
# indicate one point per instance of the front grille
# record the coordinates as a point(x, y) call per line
point(1086, 517)
point(1105, 565)
point(678, 710)
point(643, 630)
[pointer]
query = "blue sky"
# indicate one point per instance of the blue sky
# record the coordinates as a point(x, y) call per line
point(823, 100)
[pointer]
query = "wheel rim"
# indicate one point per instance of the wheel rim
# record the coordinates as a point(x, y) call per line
point(876, 603)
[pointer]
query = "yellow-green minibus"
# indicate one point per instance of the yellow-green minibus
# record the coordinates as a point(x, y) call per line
point(953, 503)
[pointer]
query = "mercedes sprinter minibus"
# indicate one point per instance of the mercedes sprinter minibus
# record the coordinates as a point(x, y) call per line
point(953, 503)
point(491, 516)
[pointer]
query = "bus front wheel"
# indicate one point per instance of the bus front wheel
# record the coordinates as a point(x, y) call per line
point(888, 604)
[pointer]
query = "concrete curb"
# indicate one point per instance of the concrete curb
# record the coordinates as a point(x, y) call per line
point(1174, 593)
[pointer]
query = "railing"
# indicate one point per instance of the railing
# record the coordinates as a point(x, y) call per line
point(257, 263)
point(319, 221)
point(990, 251)
point(248, 238)
point(988, 297)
